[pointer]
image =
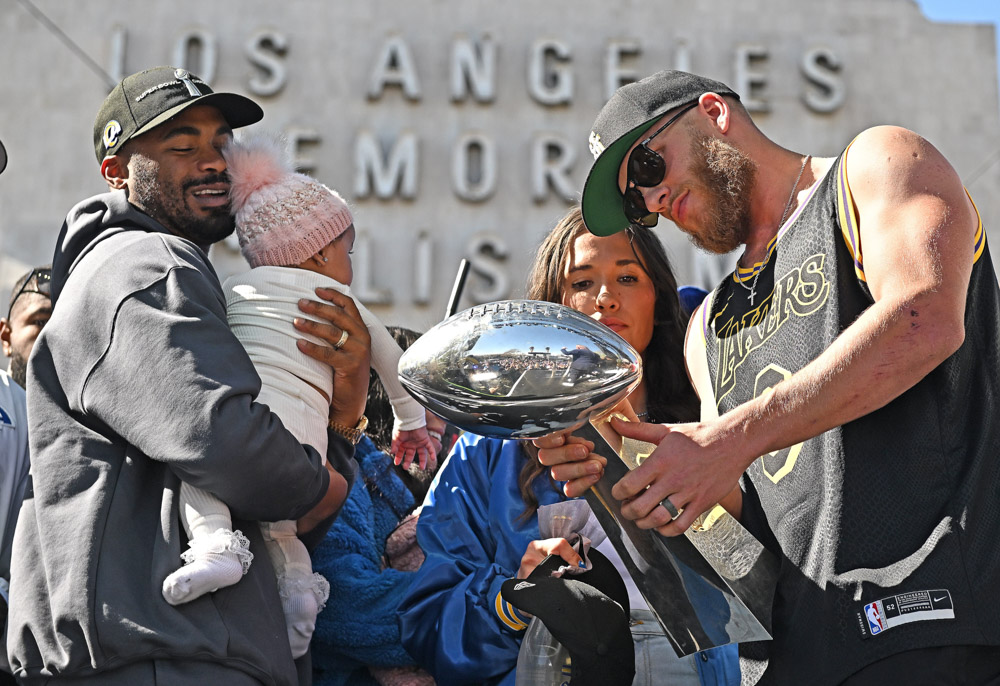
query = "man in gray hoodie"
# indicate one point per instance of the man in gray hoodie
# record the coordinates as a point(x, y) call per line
point(138, 384)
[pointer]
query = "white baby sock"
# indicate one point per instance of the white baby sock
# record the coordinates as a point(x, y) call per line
point(211, 562)
point(303, 595)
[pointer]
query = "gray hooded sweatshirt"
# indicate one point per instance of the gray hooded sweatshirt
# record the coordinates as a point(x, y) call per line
point(136, 384)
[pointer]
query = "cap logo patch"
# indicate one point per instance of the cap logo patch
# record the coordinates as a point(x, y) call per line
point(111, 132)
point(596, 146)
point(184, 76)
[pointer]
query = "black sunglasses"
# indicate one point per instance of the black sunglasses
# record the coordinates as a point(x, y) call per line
point(42, 284)
point(645, 168)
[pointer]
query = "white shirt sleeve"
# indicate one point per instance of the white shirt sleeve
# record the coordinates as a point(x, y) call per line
point(409, 414)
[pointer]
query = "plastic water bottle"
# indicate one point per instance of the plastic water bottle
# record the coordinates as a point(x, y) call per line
point(542, 660)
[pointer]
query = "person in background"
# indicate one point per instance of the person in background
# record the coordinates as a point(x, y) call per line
point(480, 524)
point(29, 309)
point(14, 460)
point(138, 384)
point(584, 362)
point(849, 375)
point(370, 555)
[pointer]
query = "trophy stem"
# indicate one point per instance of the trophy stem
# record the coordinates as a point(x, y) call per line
point(708, 588)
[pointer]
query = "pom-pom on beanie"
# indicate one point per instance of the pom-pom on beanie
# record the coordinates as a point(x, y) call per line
point(282, 217)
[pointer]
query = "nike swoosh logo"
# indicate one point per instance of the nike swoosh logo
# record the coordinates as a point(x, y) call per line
point(938, 600)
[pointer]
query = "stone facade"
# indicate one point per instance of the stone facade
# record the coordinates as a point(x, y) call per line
point(459, 129)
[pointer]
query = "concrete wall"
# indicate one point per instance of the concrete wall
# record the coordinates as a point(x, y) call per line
point(490, 104)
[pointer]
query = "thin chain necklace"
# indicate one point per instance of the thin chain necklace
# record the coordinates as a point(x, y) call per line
point(784, 215)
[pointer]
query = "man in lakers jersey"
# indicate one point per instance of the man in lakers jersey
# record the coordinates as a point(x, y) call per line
point(849, 374)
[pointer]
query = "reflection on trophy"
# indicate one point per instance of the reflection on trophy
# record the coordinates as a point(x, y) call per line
point(524, 369)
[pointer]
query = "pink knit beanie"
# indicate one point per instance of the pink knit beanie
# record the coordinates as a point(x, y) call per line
point(282, 217)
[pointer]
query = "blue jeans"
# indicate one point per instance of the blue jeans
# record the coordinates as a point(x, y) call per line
point(656, 663)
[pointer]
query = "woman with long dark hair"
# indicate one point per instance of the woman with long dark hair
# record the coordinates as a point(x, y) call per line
point(480, 522)
point(670, 397)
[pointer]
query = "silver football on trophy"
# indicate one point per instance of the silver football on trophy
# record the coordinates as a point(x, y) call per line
point(519, 368)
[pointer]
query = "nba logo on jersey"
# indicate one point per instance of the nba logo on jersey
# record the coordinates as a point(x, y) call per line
point(875, 622)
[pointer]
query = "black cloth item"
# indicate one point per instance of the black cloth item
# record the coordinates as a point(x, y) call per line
point(588, 613)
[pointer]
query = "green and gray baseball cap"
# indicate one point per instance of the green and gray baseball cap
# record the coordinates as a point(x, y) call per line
point(621, 122)
point(145, 100)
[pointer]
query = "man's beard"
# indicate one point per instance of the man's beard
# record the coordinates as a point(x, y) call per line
point(169, 208)
point(728, 176)
point(18, 368)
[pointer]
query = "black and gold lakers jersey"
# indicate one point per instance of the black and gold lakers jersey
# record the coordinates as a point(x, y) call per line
point(887, 527)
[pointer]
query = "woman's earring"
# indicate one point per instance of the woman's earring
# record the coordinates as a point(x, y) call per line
point(326, 259)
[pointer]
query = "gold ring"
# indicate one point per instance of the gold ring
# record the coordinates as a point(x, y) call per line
point(343, 339)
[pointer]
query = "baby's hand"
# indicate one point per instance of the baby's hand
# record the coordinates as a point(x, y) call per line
point(409, 444)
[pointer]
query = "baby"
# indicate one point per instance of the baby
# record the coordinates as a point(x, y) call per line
point(297, 235)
